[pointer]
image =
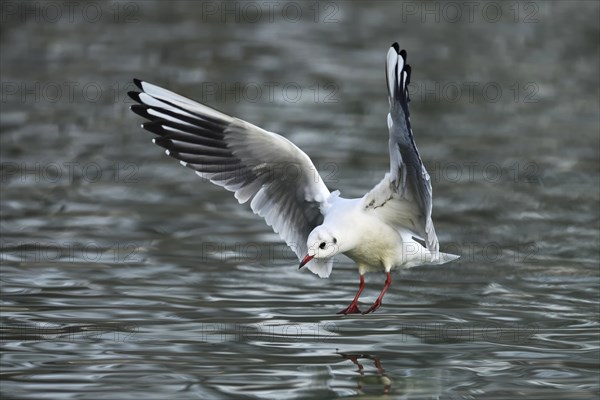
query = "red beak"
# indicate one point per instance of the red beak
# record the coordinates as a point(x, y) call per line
point(305, 261)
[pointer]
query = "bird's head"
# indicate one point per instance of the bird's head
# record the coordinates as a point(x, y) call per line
point(322, 243)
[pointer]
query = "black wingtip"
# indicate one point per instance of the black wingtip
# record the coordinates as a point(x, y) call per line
point(137, 82)
point(162, 142)
point(134, 96)
point(154, 127)
point(141, 110)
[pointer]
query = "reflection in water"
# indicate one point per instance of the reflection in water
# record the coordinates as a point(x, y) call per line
point(382, 377)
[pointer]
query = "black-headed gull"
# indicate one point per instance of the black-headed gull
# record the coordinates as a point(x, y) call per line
point(388, 227)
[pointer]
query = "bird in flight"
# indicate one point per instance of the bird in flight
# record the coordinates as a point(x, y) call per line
point(389, 227)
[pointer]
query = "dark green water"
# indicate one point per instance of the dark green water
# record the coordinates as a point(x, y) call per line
point(125, 276)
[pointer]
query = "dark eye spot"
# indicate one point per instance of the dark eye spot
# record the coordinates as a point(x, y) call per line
point(322, 245)
point(334, 240)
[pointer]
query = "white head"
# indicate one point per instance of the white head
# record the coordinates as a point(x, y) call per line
point(322, 243)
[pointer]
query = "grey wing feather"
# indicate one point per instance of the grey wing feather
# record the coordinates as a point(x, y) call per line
point(404, 196)
point(285, 188)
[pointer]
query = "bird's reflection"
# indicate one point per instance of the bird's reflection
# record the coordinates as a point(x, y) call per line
point(361, 379)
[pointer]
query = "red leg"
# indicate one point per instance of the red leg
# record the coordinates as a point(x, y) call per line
point(377, 303)
point(353, 307)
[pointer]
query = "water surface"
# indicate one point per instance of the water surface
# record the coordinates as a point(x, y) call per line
point(125, 276)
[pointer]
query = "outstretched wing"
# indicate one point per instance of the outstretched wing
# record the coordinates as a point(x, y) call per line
point(403, 197)
point(284, 185)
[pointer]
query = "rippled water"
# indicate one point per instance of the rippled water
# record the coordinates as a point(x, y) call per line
point(125, 276)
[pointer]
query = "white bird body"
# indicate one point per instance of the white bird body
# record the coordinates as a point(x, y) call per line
point(389, 227)
point(370, 241)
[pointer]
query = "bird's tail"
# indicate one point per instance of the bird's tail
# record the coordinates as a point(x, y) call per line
point(426, 258)
point(443, 258)
point(415, 253)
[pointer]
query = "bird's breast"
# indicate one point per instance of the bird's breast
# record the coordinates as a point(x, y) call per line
point(377, 246)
